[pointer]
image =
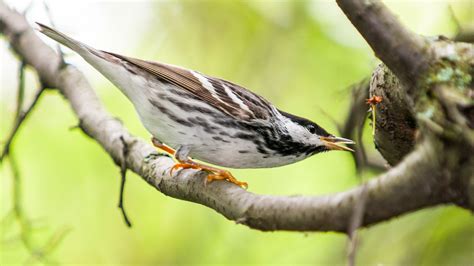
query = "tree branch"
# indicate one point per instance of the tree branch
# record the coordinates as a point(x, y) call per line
point(419, 181)
point(404, 52)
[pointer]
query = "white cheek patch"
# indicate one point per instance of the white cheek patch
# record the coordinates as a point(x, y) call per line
point(300, 133)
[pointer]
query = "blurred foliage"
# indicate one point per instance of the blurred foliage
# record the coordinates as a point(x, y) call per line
point(287, 51)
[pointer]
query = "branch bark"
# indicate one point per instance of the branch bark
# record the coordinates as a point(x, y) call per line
point(405, 53)
point(395, 123)
point(421, 180)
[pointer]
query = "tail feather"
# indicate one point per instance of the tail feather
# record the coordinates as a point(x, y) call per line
point(109, 64)
point(62, 38)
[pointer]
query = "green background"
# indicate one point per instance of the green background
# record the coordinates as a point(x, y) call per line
point(300, 55)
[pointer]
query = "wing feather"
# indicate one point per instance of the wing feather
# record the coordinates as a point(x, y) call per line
point(226, 96)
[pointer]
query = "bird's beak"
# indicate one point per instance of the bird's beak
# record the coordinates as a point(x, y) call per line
point(335, 143)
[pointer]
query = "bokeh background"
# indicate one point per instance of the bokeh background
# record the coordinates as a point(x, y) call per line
point(301, 55)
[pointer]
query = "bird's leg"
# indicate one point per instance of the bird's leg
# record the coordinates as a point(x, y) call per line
point(160, 145)
point(184, 162)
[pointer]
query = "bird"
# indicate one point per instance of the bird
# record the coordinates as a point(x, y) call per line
point(193, 116)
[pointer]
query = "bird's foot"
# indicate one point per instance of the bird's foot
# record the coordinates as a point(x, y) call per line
point(214, 173)
point(225, 175)
point(185, 163)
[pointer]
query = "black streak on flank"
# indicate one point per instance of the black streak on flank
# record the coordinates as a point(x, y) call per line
point(170, 114)
point(222, 133)
point(244, 136)
point(203, 123)
point(229, 123)
point(220, 139)
point(244, 151)
point(262, 150)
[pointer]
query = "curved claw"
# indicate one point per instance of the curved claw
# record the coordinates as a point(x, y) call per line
point(183, 166)
point(226, 175)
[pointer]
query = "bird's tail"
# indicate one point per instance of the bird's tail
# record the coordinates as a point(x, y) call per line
point(62, 38)
point(109, 64)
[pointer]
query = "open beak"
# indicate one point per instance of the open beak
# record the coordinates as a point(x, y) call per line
point(335, 143)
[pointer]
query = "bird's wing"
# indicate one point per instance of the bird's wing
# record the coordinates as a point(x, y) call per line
point(226, 96)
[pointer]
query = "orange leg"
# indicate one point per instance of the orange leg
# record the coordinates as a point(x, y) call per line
point(162, 146)
point(187, 163)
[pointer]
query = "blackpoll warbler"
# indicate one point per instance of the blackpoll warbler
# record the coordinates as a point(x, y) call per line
point(207, 118)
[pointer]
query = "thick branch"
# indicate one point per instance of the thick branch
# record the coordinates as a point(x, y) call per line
point(404, 52)
point(412, 185)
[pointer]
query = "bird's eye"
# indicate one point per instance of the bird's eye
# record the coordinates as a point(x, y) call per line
point(311, 129)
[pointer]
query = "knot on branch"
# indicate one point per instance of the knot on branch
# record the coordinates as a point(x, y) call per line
point(395, 125)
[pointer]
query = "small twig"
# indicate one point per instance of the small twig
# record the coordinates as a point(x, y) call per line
point(356, 222)
point(355, 121)
point(123, 176)
point(353, 127)
point(48, 247)
point(454, 19)
point(17, 209)
point(28, 8)
point(19, 104)
point(464, 33)
point(18, 122)
point(21, 89)
point(24, 223)
point(51, 21)
point(19, 114)
point(17, 206)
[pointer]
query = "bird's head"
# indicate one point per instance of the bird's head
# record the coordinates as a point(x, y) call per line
point(312, 136)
